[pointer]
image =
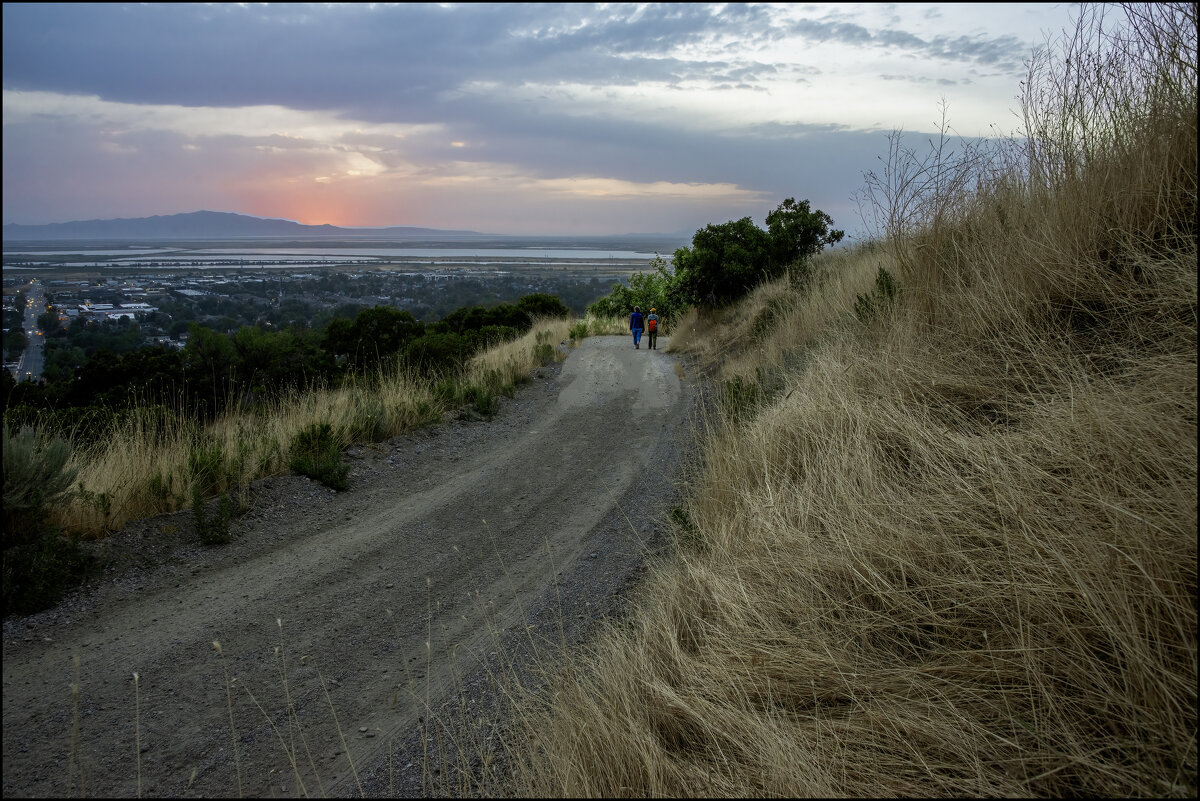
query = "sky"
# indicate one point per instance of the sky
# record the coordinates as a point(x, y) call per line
point(533, 119)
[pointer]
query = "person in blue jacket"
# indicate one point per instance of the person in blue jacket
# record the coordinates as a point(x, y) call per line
point(636, 324)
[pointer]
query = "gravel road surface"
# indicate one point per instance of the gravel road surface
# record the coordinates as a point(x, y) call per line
point(461, 553)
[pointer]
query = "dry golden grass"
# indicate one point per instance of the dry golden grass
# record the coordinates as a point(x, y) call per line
point(515, 360)
point(951, 549)
point(929, 567)
point(144, 468)
point(592, 326)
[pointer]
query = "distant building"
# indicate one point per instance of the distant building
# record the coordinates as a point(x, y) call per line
point(100, 311)
point(167, 342)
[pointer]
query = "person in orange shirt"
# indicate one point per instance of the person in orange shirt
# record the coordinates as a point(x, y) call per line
point(652, 330)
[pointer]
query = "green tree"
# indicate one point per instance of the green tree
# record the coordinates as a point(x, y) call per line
point(438, 352)
point(61, 362)
point(271, 360)
point(652, 290)
point(645, 290)
point(208, 360)
point(541, 304)
point(724, 262)
point(373, 335)
point(798, 232)
point(15, 341)
point(47, 321)
point(617, 303)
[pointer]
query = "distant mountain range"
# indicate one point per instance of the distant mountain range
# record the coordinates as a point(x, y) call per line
point(221, 226)
point(218, 225)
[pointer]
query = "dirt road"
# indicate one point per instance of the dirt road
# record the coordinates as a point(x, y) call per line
point(459, 553)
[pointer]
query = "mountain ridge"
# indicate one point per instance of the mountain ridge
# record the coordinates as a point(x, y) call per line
point(215, 225)
point(225, 226)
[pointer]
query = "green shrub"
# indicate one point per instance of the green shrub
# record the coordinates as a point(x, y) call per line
point(489, 336)
point(874, 305)
point(100, 501)
point(39, 562)
point(38, 573)
point(687, 535)
point(160, 490)
point(447, 391)
point(207, 467)
point(437, 352)
point(740, 399)
point(542, 304)
point(369, 421)
point(212, 530)
point(35, 475)
point(769, 317)
point(499, 382)
point(425, 412)
point(483, 400)
point(159, 487)
point(315, 454)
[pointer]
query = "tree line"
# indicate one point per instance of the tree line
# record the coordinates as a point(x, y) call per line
point(215, 370)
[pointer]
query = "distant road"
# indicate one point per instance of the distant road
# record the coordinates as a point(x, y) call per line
point(33, 359)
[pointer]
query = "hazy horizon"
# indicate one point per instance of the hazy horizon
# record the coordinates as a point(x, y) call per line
point(363, 228)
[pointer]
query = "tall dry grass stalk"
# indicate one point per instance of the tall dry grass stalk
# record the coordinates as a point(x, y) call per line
point(137, 728)
point(511, 362)
point(591, 325)
point(233, 738)
point(143, 468)
point(949, 549)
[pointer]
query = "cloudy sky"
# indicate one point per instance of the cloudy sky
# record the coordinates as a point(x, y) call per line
point(524, 119)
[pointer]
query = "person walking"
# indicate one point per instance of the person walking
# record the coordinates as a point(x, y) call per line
point(652, 330)
point(636, 325)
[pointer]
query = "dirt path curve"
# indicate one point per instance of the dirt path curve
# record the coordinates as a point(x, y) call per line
point(459, 554)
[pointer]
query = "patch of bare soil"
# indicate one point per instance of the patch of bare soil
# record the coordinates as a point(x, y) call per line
point(364, 631)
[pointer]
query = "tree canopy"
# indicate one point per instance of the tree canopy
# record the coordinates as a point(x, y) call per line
point(797, 233)
point(649, 290)
point(723, 262)
point(726, 261)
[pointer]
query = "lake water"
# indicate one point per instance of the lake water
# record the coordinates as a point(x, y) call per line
point(437, 253)
point(84, 252)
point(315, 258)
point(334, 254)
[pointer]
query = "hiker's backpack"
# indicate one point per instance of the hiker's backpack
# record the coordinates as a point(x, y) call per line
point(652, 323)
